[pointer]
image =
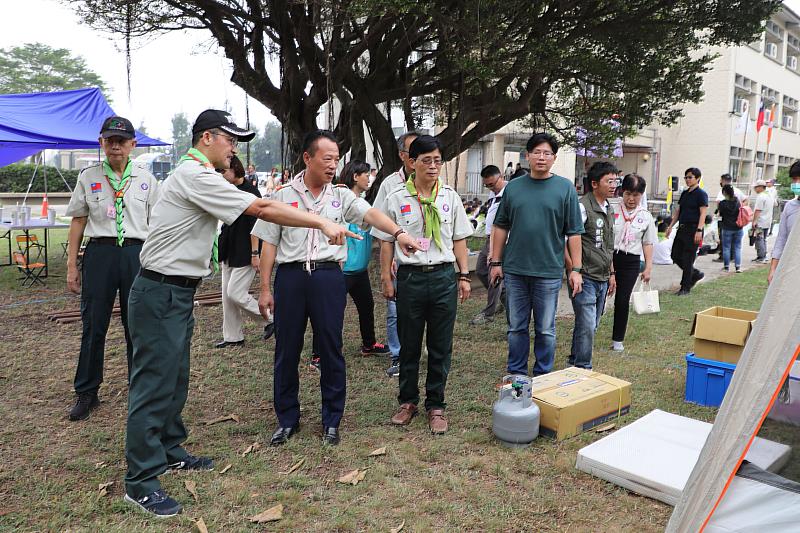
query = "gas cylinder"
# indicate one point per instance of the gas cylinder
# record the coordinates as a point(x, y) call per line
point(515, 417)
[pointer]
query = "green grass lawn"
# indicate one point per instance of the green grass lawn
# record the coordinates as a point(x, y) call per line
point(51, 468)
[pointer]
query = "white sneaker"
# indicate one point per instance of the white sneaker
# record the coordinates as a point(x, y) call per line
point(617, 346)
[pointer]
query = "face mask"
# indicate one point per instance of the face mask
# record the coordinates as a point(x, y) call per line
point(795, 188)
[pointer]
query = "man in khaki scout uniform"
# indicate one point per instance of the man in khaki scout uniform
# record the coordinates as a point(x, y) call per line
point(111, 206)
point(309, 284)
point(427, 290)
point(174, 259)
point(391, 183)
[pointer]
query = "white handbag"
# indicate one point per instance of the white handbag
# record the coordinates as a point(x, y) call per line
point(645, 300)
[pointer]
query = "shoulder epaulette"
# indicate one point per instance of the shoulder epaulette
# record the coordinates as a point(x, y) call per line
point(340, 185)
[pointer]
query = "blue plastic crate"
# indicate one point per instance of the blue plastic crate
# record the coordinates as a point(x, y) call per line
point(707, 380)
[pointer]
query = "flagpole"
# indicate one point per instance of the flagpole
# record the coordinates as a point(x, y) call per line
point(744, 143)
point(769, 138)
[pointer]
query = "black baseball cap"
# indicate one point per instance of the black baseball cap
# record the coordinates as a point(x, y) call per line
point(216, 119)
point(117, 127)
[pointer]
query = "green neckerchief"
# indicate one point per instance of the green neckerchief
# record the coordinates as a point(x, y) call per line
point(196, 155)
point(431, 222)
point(120, 185)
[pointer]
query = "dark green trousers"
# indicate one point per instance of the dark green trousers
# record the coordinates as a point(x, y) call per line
point(106, 269)
point(161, 324)
point(425, 301)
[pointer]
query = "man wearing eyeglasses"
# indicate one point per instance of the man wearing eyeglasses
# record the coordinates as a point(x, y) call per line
point(538, 213)
point(691, 217)
point(174, 258)
point(428, 289)
point(494, 181)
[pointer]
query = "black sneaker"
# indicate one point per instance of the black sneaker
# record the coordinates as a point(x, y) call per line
point(269, 330)
point(314, 363)
point(156, 503)
point(376, 349)
point(394, 370)
point(190, 462)
point(85, 403)
point(697, 277)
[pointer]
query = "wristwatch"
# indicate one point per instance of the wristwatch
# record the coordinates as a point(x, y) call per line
point(254, 253)
point(578, 269)
point(699, 230)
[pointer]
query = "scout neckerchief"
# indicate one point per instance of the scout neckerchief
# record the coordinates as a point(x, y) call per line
point(120, 185)
point(312, 240)
point(628, 234)
point(431, 222)
point(196, 155)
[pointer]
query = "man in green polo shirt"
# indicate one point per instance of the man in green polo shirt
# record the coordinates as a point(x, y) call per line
point(538, 212)
point(597, 248)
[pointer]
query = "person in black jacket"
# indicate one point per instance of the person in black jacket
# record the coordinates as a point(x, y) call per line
point(239, 256)
point(731, 238)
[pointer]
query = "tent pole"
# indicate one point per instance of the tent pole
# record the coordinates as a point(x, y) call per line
point(30, 183)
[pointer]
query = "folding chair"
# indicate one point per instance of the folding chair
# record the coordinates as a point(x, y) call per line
point(24, 242)
point(32, 271)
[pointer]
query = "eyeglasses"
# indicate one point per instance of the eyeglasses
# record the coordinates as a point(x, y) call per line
point(689, 177)
point(234, 142)
point(492, 184)
point(428, 161)
point(542, 153)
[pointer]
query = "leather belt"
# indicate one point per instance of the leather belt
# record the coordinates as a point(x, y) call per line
point(312, 266)
point(180, 281)
point(426, 268)
point(113, 241)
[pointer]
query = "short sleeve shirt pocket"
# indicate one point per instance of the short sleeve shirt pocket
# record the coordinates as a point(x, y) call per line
point(333, 211)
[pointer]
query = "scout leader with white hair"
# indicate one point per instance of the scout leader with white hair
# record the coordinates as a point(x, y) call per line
point(110, 205)
point(309, 283)
point(427, 290)
point(176, 255)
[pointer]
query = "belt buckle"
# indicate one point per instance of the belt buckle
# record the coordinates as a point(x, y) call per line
point(310, 266)
point(428, 268)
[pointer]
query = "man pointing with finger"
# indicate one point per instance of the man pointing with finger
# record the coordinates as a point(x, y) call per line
point(175, 257)
point(309, 284)
point(538, 213)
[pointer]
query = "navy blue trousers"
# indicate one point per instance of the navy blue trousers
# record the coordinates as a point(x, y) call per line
point(300, 296)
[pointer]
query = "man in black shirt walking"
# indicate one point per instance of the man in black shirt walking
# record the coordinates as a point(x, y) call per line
point(690, 215)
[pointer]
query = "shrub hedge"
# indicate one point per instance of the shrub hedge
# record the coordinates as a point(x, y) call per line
point(15, 178)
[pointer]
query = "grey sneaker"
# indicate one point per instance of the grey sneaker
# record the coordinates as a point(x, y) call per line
point(394, 369)
point(480, 319)
point(156, 504)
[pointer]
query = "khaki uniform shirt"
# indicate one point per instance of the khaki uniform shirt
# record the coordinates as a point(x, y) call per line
point(184, 221)
point(405, 210)
point(342, 206)
point(391, 183)
point(93, 198)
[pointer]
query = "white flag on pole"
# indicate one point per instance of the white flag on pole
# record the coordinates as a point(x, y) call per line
point(741, 124)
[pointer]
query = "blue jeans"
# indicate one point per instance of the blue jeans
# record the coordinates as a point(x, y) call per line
point(588, 306)
point(540, 295)
point(732, 239)
point(391, 326)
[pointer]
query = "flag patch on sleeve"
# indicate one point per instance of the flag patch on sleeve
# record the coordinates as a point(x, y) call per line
point(294, 204)
point(97, 187)
point(405, 209)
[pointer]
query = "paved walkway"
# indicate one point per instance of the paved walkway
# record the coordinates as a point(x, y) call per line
point(668, 277)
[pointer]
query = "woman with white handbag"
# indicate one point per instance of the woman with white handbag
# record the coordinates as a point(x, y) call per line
point(634, 237)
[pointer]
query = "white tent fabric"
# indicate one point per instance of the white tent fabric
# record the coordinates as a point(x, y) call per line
point(765, 363)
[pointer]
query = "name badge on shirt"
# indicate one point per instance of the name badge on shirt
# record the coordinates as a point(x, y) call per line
point(111, 212)
point(424, 243)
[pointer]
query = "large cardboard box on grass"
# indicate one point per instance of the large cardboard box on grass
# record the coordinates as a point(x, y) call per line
point(574, 400)
point(720, 333)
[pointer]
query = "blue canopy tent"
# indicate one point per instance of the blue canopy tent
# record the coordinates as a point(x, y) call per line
point(63, 120)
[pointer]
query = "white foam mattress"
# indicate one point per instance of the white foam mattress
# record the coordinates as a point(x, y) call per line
point(654, 455)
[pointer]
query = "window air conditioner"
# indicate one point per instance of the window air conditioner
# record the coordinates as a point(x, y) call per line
point(792, 62)
point(788, 121)
point(771, 50)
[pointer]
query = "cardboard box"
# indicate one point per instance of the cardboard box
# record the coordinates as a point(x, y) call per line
point(575, 400)
point(720, 333)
